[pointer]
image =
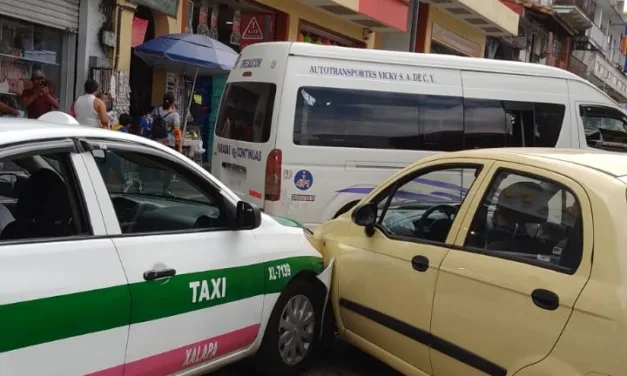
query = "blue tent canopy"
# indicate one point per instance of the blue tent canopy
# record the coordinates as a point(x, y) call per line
point(189, 54)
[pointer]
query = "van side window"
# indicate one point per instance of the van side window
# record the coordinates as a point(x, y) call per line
point(605, 127)
point(441, 122)
point(385, 120)
point(356, 118)
point(377, 120)
point(493, 123)
point(246, 111)
point(485, 124)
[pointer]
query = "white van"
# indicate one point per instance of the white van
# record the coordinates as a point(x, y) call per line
point(305, 130)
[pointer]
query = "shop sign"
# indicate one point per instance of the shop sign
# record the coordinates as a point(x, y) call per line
point(256, 28)
point(169, 7)
point(140, 26)
point(455, 41)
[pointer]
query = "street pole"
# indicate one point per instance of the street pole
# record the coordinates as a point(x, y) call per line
point(415, 9)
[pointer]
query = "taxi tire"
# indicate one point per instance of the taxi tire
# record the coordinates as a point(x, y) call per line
point(268, 360)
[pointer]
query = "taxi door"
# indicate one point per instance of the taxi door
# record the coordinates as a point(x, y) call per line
point(502, 305)
point(387, 280)
point(64, 301)
point(196, 286)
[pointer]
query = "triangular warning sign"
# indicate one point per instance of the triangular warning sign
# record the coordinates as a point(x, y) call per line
point(253, 30)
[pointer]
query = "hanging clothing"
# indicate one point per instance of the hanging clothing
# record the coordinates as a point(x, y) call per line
point(85, 112)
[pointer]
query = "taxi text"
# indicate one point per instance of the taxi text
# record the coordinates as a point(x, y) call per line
point(200, 354)
point(208, 290)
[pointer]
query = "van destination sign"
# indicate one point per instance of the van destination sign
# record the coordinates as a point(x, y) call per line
point(373, 74)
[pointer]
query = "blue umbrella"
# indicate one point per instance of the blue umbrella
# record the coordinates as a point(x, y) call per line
point(189, 54)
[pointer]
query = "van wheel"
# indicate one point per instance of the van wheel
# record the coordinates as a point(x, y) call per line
point(345, 208)
point(291, 338)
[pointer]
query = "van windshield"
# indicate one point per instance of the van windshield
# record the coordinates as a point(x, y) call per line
point(246, 111)
point(605, 128)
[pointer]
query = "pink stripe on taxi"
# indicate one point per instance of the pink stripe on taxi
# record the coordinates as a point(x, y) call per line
point(185, 357)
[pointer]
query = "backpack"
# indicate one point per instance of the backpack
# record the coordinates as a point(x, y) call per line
point(159, 126)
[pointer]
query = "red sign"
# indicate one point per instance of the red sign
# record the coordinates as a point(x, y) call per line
point(140, 26)
point(254, 28)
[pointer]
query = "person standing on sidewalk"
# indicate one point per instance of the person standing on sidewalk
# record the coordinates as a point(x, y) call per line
point(40, 98)
point(166, 124)
point(90, 110)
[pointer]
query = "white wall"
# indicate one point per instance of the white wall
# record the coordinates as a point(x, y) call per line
point(88, 44)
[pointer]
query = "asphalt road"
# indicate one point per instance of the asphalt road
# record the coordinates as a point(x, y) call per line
point(341, 360)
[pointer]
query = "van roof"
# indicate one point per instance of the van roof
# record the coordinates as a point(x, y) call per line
point(424, 59)
point(434, 60)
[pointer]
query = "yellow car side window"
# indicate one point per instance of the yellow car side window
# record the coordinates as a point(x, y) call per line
point(531, 219)
point(424, 206)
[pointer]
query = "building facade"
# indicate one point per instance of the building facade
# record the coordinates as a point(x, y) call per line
point(597, 55)
point(109, 29)
point(38, 35)
point(457, 27)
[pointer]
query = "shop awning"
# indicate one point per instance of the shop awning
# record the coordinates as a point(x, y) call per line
point(376, 15)
point(491, 16)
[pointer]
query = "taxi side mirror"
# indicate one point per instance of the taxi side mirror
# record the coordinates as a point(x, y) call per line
point(247, 216)
point(100, 156)
point(365, 215)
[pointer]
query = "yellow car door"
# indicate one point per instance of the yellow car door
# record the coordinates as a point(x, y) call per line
point(506, 290)
point(387, 272)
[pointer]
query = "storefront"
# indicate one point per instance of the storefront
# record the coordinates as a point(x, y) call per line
point(34, 38)
point(445, 34)
point(139, 21)
point(236, 24)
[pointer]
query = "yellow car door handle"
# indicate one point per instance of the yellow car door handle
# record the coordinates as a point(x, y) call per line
point(420, 263)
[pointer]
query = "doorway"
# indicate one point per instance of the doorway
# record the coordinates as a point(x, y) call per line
point(141, 73)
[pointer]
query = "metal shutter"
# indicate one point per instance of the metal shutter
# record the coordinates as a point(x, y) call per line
point(59, 14)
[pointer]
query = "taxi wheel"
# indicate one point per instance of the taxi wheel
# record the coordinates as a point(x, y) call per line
point(292, 335)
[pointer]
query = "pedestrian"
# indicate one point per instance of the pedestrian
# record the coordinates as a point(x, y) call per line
point(88, 109)
point(40, 99)
point(166, 124)
point(124, 123)
point(145, 123)
point(8, 106)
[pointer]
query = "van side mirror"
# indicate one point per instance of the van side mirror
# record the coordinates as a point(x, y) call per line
point(365, 215)
point(247, 216)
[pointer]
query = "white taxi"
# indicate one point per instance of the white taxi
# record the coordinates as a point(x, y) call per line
point(119, 256)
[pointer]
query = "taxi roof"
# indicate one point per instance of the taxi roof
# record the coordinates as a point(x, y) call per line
point(614, 164)
point(14, 130)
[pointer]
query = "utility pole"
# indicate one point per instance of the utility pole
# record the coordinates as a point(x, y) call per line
point(415, 9)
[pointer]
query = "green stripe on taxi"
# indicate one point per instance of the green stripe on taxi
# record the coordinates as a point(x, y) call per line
point(33, 322)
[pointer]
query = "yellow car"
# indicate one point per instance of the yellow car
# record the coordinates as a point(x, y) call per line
point(488, 262)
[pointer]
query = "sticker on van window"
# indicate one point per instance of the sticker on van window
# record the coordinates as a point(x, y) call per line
point(426, 78)
point(303, 180)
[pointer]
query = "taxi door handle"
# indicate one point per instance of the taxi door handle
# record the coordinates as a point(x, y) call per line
point(420, 263)
point(151, 275)
point(545, 299)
